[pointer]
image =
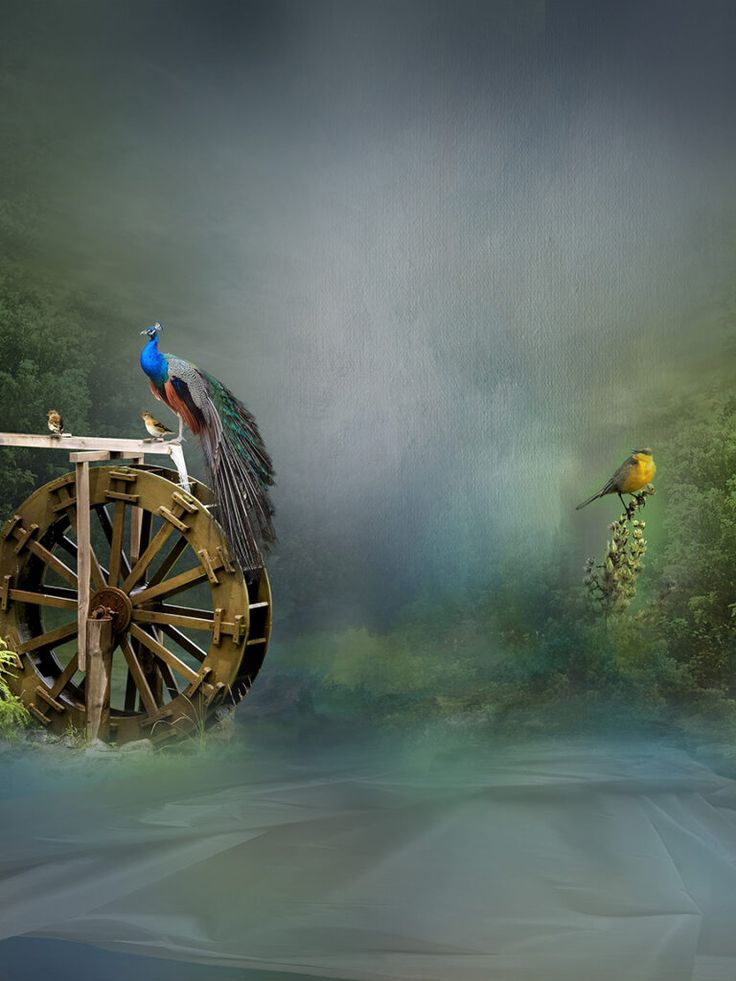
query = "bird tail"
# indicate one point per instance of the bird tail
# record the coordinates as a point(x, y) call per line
point(240, 472)
point(590, 500)
point(608, 489)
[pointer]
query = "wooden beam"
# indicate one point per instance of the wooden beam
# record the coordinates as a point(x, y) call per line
point(84, 561)
point(90, 443)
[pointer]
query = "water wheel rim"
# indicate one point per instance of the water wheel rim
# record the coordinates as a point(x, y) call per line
point(180, 546)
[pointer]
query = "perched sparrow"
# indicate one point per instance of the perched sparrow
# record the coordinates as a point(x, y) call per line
point(155, 429)
point(55, 422)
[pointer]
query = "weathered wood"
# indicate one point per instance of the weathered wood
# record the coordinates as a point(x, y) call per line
point(90, 443)
point(84, 562)
point(99, 673)
point(153, 568)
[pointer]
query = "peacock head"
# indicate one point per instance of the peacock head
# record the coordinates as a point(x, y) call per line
point(152, 330)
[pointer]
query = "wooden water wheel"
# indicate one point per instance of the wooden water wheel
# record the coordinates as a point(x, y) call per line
point(188, 634)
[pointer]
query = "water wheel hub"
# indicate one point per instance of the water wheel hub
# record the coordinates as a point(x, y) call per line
point(117, 602)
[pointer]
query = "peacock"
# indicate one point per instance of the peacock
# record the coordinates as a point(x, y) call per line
point(238, 464)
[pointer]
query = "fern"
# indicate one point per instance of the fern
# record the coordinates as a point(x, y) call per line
point(13, 713)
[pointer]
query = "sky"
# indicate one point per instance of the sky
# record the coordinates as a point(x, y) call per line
point(450, 254)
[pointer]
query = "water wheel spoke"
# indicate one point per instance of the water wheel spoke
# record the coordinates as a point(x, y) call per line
point(169, 562)
point(52, 562)
point(63, 591)
point(184, 642)
point(156, 543)
point(168, 679)
point(131, 692)
point(140, 532)
point(65, 677)
point(108, 528)
point(170, 586)
point(99, 574)
point(43, 599)
point(139, 678)
point(116, 543)
point(162, 617)
point(161, 652)
point(62, 633)
point(187, 611)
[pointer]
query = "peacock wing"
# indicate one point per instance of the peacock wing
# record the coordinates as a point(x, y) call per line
point(186, 392)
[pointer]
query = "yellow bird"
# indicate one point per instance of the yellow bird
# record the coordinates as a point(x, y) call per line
point(155, 429)
point(631, 476)
point(55, 422)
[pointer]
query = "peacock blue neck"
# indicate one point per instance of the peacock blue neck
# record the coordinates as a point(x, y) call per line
point(153, 362)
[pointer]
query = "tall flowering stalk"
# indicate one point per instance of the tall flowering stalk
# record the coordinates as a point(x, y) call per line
point(612, 583)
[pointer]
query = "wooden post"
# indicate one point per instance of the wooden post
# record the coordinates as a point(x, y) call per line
point(99, 672)
point(84, 544)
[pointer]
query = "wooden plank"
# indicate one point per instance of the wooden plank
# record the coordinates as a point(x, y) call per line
point(93, 456)
point(127, 476)
point(99, 673)
point(24, 537)
point(84, 563)
point(90, 443)
point(185, 502)
point(174, 519)
point(217, 625)
point(204, 558)
point(38, 714)
point(47, 697)
point(7, 580)
point(162, 653)
point(9, 526)
point(120, 496)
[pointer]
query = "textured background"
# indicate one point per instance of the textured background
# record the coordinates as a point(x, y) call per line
point(458, 258)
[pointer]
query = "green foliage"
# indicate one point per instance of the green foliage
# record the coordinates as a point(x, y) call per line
point(612, 584)
point(52, 358)
point(697, 557)
point(13, 714)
